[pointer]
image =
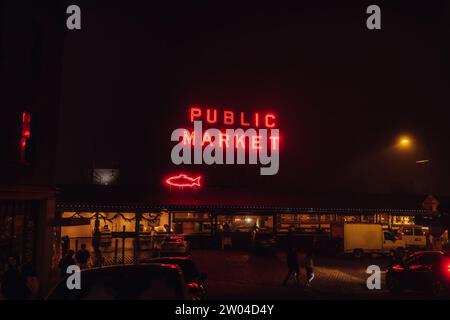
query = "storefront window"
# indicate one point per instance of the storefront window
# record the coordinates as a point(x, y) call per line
point(350, 218)
point(191, 216)
point(383, 218)
point(18, 231)
point(76, 225)
point(308, 217)
point(368, 218)
point(154, 222)
point(245, 223)
point(82, 224)
point(402, 220)
point(327, 218)
point(192, 223)
point(80, 228)
point(121, 220)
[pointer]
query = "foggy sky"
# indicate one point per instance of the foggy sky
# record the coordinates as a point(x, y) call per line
point(342, 93)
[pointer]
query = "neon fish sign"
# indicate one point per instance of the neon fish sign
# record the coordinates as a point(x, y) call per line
point(183, 181)
point(229, 146)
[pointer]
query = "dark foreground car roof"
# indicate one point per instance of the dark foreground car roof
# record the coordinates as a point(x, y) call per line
point(125, 282)
point(186, 264)
point(174, 259)
point(436, 252)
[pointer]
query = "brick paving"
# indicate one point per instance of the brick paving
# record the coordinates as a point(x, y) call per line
point(237, 275)
point(240, 275)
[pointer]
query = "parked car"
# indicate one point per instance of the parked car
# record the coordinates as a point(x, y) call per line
point(154, 281)
point(414, 236)
point(360, 238)
point(196, 281)
point(174, 245)
point(424, 271)
point(264, 244)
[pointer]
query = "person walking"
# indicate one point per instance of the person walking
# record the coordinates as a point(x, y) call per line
point(83, 256)
point(66, 261)
point(293, 267)
point(13, 282)
point(99, 260)
point(309, 268)
point(226, 236)
point(65, 245)
point(290, 236)
point(31, 280)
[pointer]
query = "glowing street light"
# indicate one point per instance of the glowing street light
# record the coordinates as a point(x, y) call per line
point(405, 142)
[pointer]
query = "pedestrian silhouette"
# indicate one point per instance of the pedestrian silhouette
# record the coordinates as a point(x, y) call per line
point(309, 268)
point(293, 267)
point(83, 256)
point(31, 279)
point(13, 283)
point(65, 245)
point(66, 261)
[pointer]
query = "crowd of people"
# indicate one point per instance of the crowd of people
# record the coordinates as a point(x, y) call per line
point(294, 267)
point(19, 282)
point(81, 258)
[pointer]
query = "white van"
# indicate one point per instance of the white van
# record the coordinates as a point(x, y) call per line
point(414, 236)
point(361, 238)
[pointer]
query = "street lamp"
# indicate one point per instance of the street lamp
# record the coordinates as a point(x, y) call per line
point(413, 152)
point(405, 142)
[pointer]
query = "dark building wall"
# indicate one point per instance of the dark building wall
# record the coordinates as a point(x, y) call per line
point(31, 42)
point(134, 68)
point(31, 45)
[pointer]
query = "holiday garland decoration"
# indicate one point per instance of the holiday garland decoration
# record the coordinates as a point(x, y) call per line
point(101, 215)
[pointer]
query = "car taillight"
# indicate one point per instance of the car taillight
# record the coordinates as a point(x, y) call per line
point(446, 266)
point(398, 268)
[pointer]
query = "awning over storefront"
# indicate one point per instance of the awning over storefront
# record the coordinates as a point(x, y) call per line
point(93, 198)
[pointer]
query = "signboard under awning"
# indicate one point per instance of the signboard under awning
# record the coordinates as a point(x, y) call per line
point(66, 222)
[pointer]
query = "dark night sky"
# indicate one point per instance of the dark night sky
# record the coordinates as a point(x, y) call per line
point(342, 93)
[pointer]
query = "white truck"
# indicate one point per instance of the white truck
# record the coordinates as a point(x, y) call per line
point(414, 236)
point(361, 238)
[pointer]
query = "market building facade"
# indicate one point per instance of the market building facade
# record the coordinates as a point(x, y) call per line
point(202, 217)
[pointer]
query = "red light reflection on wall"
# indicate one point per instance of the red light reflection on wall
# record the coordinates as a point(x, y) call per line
point(25, 135)
point(183, 181)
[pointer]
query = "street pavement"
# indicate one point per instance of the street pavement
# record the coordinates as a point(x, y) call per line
point(242, 275)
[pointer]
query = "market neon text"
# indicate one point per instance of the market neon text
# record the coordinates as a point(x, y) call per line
point(226, 117)
point(230, 147)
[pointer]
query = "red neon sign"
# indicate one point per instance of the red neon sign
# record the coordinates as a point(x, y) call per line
point(215, 141)
point(229, 118)
point(25, 135)
point(239, 141)
point(183, 181)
